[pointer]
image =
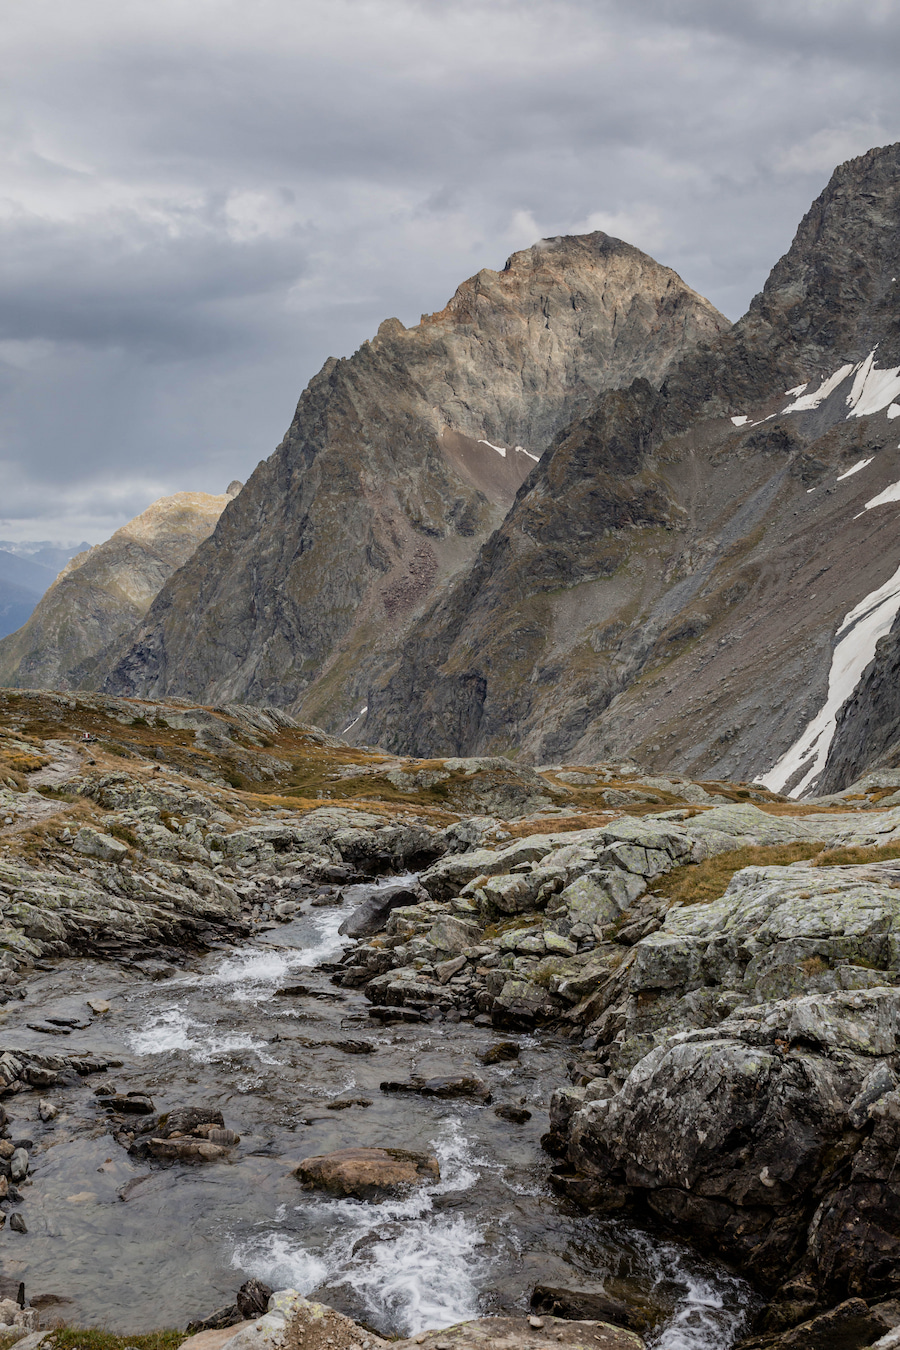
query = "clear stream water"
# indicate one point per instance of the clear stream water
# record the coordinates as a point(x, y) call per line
point(184, 1238)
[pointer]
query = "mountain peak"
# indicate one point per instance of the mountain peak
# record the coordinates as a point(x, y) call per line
point(398, 464)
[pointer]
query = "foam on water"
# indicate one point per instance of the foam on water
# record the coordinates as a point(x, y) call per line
point(420, 1269)
point(253, 975)
point(707, 1315)
point(282, 1261)
point(173, 1029)
point(425, 1277)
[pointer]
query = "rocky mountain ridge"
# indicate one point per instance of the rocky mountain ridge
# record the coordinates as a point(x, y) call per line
point(698, 570)
point(657, 585)
point(399, 462)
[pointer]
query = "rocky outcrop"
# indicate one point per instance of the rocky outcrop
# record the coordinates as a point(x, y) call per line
point(102, 593)
point(673, 578)
point(771, 1135)
point(399, 462)
point(292, 1321)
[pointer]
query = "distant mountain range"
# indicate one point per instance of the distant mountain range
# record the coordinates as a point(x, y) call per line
point(577, 514)
point(26, 571)
point(102, 592)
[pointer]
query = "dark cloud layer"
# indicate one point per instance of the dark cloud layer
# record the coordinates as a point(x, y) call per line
point(203, 199)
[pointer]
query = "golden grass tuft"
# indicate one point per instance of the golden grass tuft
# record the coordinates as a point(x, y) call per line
point(698, 883)
point(96, 1338)
point(838, 857)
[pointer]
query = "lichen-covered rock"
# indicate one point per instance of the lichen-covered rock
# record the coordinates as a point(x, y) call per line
point(95, 844)
point(293, 1321)
point(520, 1003)
point(772, 1136)
point(521, 1333)
point(57, 911)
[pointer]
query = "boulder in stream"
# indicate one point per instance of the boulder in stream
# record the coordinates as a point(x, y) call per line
point(372, 905)
point(130, 1103)
point(186, 1150)
point(368, 1173)
point(590, 1301)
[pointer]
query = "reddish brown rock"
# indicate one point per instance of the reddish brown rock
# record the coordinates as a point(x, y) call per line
point(367, 1173)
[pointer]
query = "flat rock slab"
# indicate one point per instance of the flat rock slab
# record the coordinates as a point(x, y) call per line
point(186, 1150)
point(214, 1340)
point(517, 1333)
point(368, 1173)
point(444, 1087)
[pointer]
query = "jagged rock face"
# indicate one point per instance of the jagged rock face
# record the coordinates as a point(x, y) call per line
point(868, 725)
point(102, 593)
point(398, 464)
point(673, 577)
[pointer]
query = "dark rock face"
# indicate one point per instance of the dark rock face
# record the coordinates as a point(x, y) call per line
point(770, 1137)
point(868, 726)
point(373, 904)
point(849, 1326)
point(398, 464)
point(657, 586)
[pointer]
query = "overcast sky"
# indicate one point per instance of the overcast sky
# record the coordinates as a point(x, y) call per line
point(201, 200)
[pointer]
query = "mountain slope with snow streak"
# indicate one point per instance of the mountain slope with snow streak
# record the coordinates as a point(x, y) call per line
point(700, 575)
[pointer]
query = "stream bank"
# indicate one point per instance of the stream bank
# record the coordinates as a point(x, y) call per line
point(296, 1075)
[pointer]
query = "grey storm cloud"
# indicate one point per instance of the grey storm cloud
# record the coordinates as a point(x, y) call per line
point(202, 200)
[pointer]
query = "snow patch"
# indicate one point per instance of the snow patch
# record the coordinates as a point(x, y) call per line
point(893, 411)
point(890, 494)
point(522, 451)
point(739, 421)
point(872, 389)
point(792, 393)
point(356, 719)
point(854, 468)
point(809, 401)
point(501, 449)
point(861, 628)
